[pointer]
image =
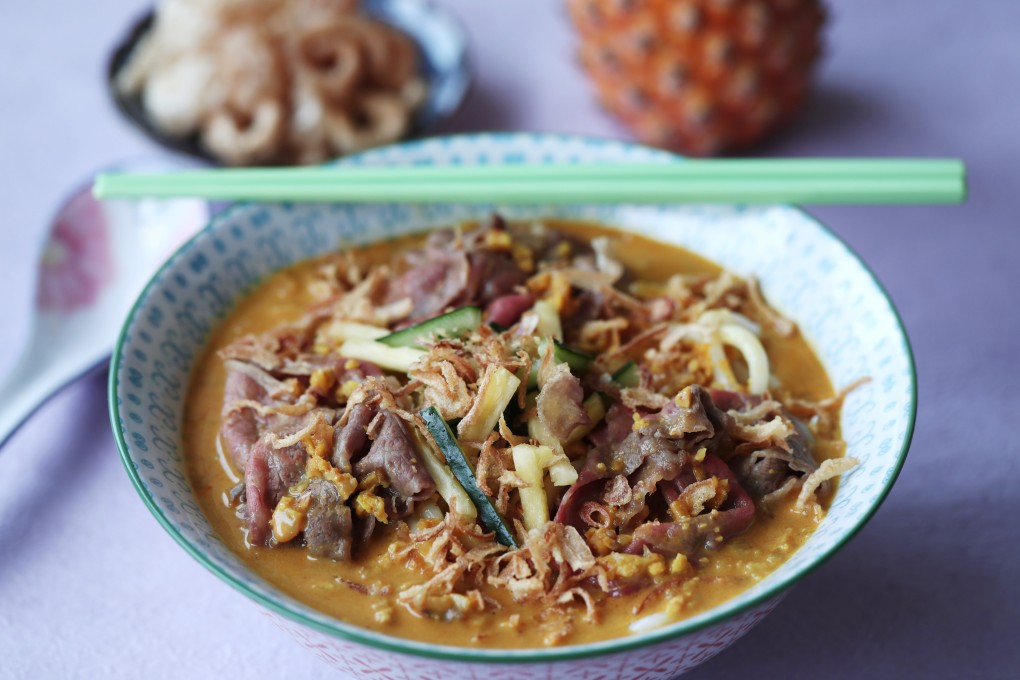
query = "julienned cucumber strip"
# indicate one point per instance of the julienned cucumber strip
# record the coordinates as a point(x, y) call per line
point(628, 375)
point(447, 443)
point(450, 325)
point(576, 359)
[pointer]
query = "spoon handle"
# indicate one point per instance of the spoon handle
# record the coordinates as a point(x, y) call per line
point(31, 384)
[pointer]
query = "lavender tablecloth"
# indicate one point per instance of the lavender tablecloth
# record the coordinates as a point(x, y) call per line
point(90, 586)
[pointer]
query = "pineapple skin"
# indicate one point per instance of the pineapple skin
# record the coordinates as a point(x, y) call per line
point(702, 77)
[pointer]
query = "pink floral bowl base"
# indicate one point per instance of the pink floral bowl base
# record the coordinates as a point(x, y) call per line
point(663, 660)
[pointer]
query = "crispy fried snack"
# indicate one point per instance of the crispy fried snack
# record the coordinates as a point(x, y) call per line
point(275, 81)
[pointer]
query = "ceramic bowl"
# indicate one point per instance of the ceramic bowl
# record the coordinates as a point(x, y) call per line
point(805, 270)
point(442, 51)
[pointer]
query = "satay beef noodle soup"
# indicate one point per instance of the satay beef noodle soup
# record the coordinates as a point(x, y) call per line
point(512, 435)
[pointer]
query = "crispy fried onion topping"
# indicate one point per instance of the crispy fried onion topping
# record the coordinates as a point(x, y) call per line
point(387, 393)
point(551, 565)
point(833, 467)
point(362, 303)
point(445, 377)
point(455, 552)
point(494, 468)
point(754, 425)
point(822, 416)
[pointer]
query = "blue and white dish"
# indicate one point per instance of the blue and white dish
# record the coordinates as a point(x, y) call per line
point(804, 269)
point(443, 64)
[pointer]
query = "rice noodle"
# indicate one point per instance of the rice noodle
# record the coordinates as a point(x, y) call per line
point(719, 327)
point(748, 345)
point(722, 317)
point(604, 261)
point(650, 622)
point(723, 373)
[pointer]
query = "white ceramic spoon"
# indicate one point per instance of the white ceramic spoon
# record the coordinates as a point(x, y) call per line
point(95, 261)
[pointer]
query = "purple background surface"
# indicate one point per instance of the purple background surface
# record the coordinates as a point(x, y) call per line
point(90, 586)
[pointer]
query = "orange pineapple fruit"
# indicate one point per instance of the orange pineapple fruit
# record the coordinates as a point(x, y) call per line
point(700, 76)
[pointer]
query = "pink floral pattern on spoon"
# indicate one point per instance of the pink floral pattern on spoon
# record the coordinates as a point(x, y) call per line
point(76, 261)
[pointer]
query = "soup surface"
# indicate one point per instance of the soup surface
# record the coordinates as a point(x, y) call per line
point(664, 453)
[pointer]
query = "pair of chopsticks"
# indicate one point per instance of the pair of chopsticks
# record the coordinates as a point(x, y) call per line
point(800, 181)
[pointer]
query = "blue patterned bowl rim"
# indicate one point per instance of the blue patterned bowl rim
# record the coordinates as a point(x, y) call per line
point(399, 645)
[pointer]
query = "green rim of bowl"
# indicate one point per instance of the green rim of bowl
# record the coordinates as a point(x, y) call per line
point(466, 654)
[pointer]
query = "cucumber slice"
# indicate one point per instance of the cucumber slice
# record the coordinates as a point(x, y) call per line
point(450, 325)
point(576, 359)
point(628, 375)
point(447, 443)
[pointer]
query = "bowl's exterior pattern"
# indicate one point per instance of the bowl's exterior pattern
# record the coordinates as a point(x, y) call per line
point(665, 659)
point(803, 268)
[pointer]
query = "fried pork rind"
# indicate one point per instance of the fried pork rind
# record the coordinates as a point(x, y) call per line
point(275, 81)
point(372, 119)
point(240, 140)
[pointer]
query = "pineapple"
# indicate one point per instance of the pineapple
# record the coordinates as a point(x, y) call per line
point(699, 76)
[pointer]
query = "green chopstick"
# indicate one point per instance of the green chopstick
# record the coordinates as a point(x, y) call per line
point(802, 181)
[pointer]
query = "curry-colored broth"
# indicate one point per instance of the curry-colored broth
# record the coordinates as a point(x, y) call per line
point(325, 585)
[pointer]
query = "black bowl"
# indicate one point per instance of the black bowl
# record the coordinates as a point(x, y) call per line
point(443, 65)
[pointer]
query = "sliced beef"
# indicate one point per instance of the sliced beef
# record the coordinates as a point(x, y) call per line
point(239, 430)
point(491, 275)
point(692, 418)
point(286, 468)
point(591, 481)
point(763, 472)
point(666, 538)
point(762, 466)
point(328, 526)
point(394, 453)
point(588, 488)
point(242, 426)
point(588, 306)
point(644, 457)
point(505, 310)
point(352, 438)
point(559, 400)
point(636, 447)
point(733, 401)
point(268, 474)
point(436, 280)
point(739, 507)
point(364, 527)
point(705, 531)
point(614, 428)
point(657, 461)
point(306, 363)
point(799, 444)
point(356, 371)
point(452, 272)
point(663, 460)
point(256, 492)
